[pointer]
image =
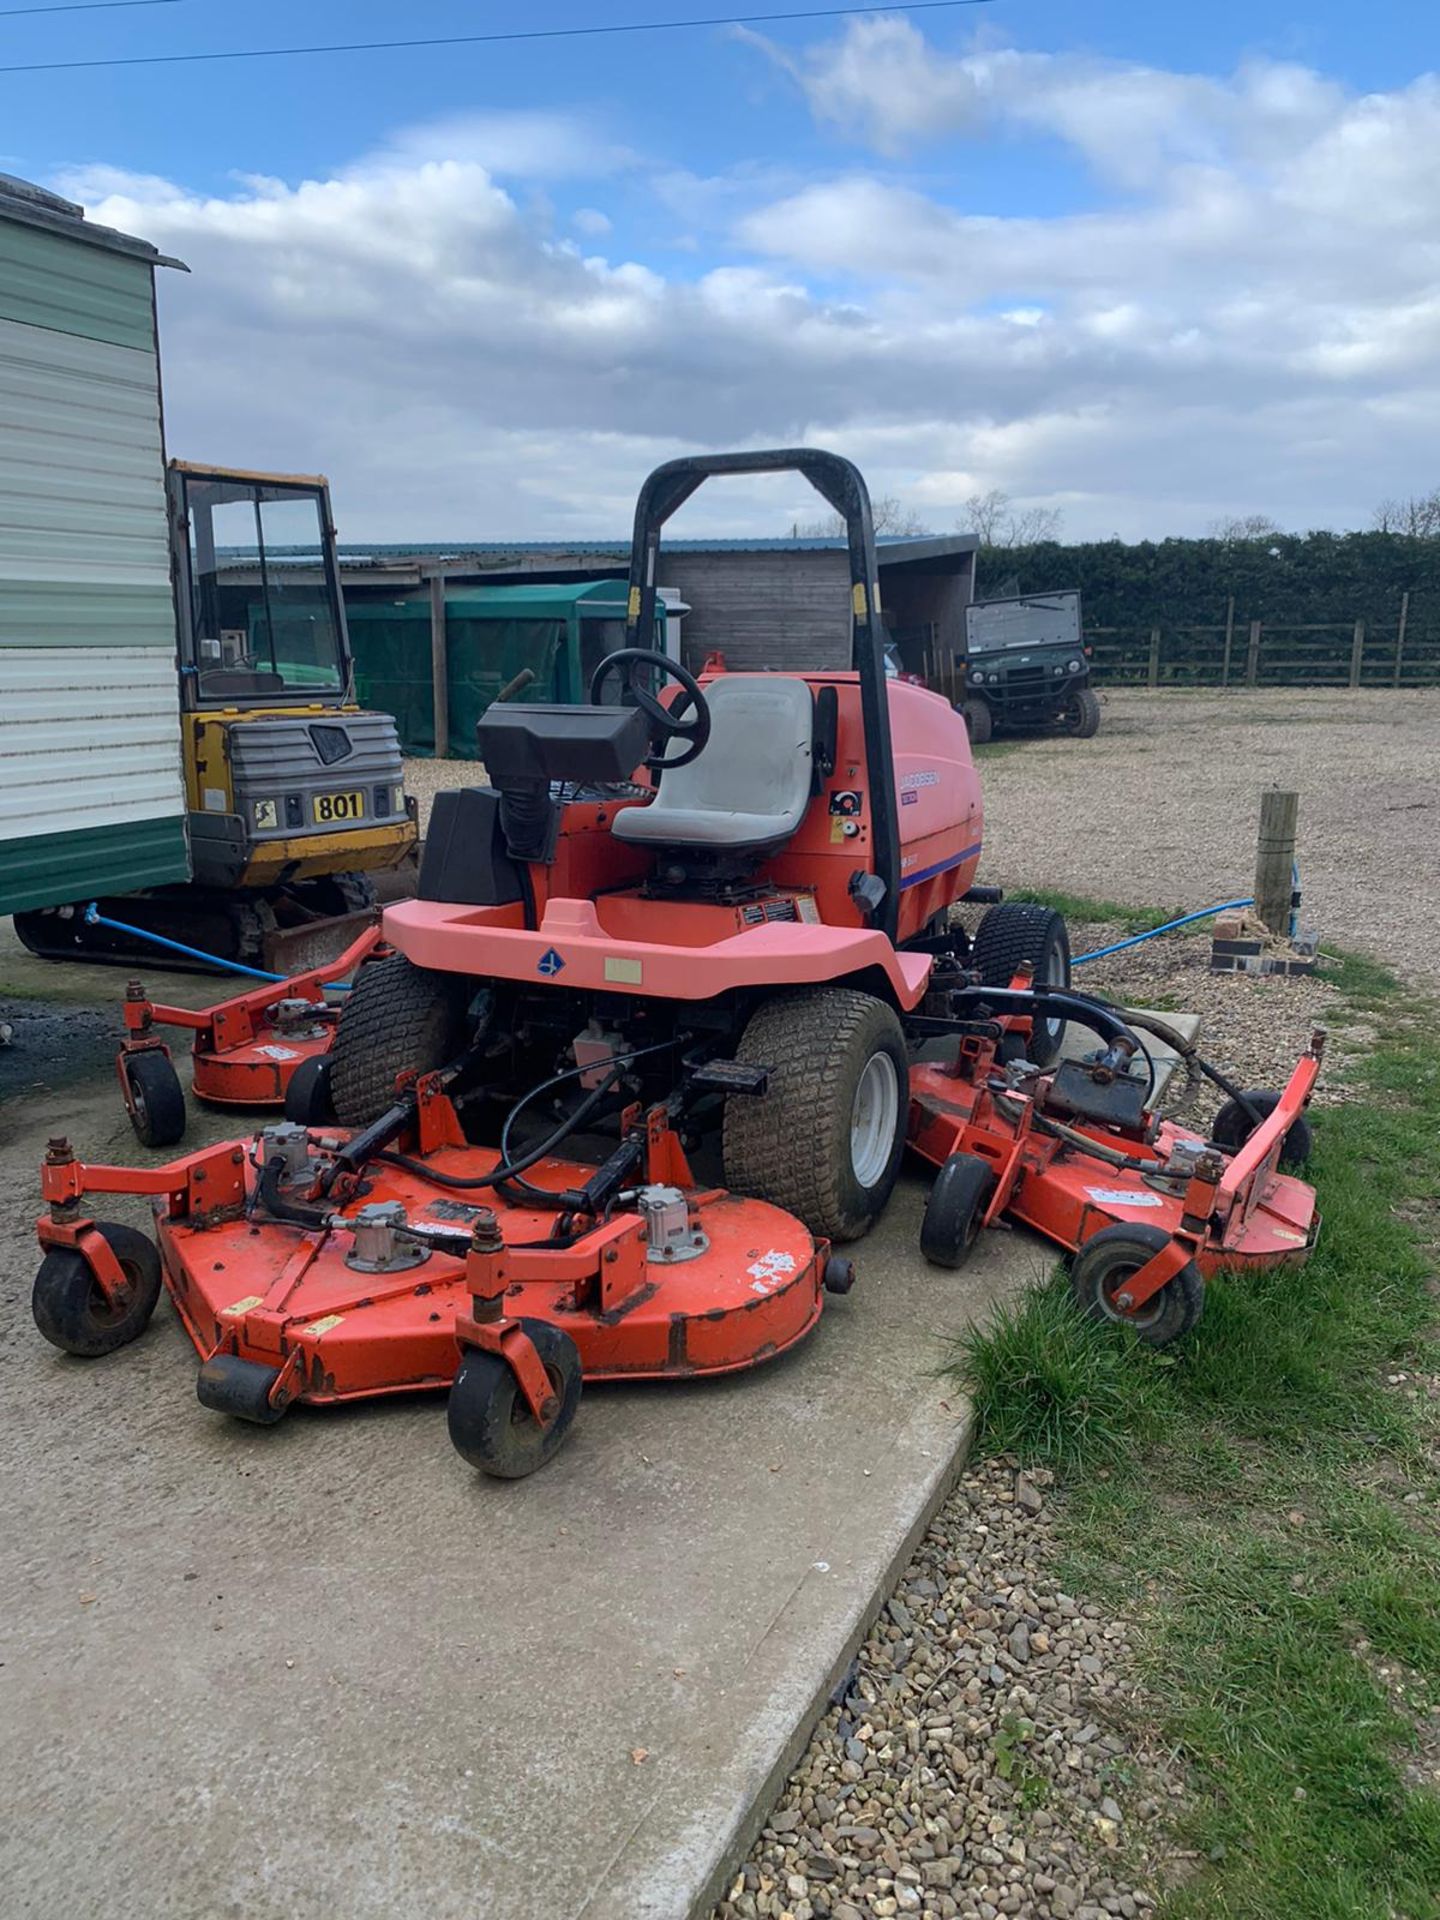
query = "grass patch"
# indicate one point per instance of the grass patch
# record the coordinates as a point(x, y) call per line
point(1243, 1494)
point(1075, 906)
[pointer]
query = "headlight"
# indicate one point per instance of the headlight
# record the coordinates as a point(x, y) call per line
point(398, 800)
point(977, 676)
point(1061, 672)
point(1072, 666)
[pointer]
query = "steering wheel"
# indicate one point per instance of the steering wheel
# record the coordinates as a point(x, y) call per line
point(665, 721)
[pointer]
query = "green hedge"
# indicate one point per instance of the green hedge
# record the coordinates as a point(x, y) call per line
point(1178, 583)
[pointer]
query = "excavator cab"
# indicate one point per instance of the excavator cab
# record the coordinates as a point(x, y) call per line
point(290, 784)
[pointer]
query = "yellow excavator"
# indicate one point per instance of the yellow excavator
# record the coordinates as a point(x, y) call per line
point(295, 795)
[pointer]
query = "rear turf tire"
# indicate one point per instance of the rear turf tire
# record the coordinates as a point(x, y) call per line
point(825, 1142)
point(398, 1018)
point(1018, 933)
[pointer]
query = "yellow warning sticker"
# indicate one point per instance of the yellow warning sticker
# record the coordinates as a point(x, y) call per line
point(250, 1301)
point(858, 600)
point(634, 603)
point(321, 1326)
point(625, 973)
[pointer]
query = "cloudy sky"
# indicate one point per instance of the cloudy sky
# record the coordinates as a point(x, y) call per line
point(1149, 265)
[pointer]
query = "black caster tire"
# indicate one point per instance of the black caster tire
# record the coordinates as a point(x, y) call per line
point(1233, 1126)
point(489, 1418)
point(1020, 932)
point(72, 1310)
point(1109, 1258)
point(955, 1210)
point(240, 1388)
point(308, 1099)
point(157, 1100)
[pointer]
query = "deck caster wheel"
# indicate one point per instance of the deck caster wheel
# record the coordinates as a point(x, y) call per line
point(955, 1211)
point(72, 1309)
point(490, 1421)
point(241, 1388)
point(156, 1099)
point(1233, 1126)
point(839, 1274)
point(308, 1100)
point(1116, 1254)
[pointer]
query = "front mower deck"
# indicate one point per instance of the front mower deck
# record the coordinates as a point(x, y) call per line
point(285, 1299)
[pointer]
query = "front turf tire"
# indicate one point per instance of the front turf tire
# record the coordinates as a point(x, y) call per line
point(397, 1018)
point(825, 1142)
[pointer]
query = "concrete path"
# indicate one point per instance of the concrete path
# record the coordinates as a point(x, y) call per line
point(324, 1670)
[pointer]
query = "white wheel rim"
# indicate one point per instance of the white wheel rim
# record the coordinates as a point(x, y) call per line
point(874, 1118)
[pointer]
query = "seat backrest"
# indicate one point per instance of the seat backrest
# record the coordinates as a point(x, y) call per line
point(751, 784)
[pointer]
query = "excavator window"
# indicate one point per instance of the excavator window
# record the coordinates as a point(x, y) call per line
point(264, 621)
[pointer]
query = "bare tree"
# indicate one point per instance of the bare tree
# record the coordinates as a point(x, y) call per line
point(1000, 523)
point(1243, 526)
point(891, 516)
point(1418, 516)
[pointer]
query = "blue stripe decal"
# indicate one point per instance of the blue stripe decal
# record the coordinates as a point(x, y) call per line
point(929, 873)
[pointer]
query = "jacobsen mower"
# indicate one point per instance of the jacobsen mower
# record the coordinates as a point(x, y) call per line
point(715, 916)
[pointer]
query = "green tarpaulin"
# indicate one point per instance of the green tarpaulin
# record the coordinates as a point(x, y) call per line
point(491, 634)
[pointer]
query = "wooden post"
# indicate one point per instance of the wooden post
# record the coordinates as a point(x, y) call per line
point(1357, 653)
point(1229, 640)
point(1275, 859)
point(1153, 674)
point(439, 667)
point(1400, 636)
point(1252, 656)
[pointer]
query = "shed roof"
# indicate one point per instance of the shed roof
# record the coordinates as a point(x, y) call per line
point(27, 205)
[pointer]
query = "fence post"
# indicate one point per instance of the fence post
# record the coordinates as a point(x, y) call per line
point(1229, 640)
point(1357, 653)
point(1252, 656)
point(1153, 672)
point(1400, 636)
point(1275, 859)
point(439, 667)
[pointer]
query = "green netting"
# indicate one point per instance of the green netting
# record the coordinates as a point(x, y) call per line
point(492, 634)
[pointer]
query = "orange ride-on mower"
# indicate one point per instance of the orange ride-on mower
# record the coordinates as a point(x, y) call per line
point(704, 917)
point(1148, 1209)
point(266, 1047)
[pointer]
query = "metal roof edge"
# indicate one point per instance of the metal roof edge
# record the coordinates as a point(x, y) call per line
point(29, 205)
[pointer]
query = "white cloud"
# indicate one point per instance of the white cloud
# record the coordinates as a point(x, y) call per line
point(1248, 314)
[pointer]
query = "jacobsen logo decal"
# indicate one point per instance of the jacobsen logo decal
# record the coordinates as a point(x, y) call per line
point(927, 777)
point(550, 963)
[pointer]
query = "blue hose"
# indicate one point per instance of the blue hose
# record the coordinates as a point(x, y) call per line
point(1135, 940)
point(94, 918)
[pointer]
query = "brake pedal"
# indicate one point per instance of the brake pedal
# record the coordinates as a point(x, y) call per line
point(732, 1076)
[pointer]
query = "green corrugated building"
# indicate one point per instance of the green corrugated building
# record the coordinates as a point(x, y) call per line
point(91, 799)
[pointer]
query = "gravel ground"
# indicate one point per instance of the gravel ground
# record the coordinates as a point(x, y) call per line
point(979, 1763)
point(1161, 809)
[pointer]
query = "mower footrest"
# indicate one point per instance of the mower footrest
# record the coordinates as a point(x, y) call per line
point(732, 1076)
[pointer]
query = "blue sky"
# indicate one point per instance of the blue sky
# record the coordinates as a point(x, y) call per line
point(1125, 262)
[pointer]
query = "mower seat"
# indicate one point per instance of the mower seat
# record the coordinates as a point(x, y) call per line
point(751, 785)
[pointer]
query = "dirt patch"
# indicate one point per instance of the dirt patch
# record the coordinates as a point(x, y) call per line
point(53, 1046)
point(1161, 810)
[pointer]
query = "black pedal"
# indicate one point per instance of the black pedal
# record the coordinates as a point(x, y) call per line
point(732, 1076)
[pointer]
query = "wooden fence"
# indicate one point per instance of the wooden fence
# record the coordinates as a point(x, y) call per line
point(1259, 654)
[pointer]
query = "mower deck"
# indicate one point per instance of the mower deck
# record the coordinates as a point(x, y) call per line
point(284, 1298)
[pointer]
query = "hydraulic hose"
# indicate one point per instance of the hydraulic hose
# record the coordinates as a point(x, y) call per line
point(1137, 939)
point(509, 1170)
point(94, 918)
